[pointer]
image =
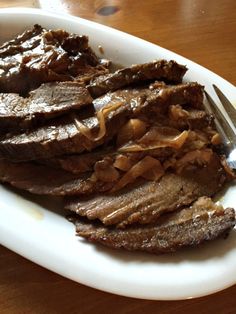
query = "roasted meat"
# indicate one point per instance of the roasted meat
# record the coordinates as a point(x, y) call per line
point(190, 226)
point(43, 180)
point(134, 153)
point(72, 135)
point(48, 101)
point(156, 70)
point(38, 56)
point(145, 202)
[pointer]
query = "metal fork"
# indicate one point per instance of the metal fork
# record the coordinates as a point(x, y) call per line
point(223, 124)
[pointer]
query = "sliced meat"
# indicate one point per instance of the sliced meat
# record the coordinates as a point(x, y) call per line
point(145, 203)
point(39, 56)
point(47, 101)
point(61, 136)
point(79, 163)
point(85, 162)
point(204, 221)
point(39, 179)
point(156, 70)
point(68, 135)
point(189, 117)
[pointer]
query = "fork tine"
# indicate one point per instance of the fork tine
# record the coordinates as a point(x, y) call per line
point(221, 123)
point(228, 106)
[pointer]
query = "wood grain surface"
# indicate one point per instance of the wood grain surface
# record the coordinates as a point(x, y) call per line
point(203, 31)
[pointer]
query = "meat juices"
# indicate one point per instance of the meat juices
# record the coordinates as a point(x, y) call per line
point(134, 153)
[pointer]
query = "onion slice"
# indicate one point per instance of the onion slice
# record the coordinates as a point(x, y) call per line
point(158, 137)
point(199, 157)
point(138, 170)
point(101, 115)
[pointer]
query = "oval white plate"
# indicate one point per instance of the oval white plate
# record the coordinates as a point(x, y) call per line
point(35, 228)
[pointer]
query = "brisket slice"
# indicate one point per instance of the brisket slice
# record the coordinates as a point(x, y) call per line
point(39, 56)
point(145, 203)
point(169, 71)
point(62, 136)
point(47, 101)
point(39, 179)
point(203, 221)
point(85, 162)
point(79, 163)
point(194, 119)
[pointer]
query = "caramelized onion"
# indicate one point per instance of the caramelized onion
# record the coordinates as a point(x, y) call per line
point(198, 157)
point(104, 170)
point(216, 139)
point(176, 112)
point(139, 169)
point(158, 137)
point(154, 173)
point(133, 129)
point(83, 129)
point(196, 140)
point(101, 115)
point(122, 163)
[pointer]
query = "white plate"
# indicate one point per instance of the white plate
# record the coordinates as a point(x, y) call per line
point(32, 227)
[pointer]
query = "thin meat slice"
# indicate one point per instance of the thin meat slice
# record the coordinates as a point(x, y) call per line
point(167, 154)
point(69, 135)
point(38, 56)
point(85, 162)
point(47, 101)
point(59, 137)
point(169, 71)
point(79, 163)
point(189, 118)
point(191, 226)
point(145, 202)
point(43, 180)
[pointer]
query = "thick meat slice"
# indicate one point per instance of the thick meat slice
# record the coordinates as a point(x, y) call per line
point(204, 221)
point(64, 136)
point(39, 56)
point(156, 70)
point(145, 203)
point(47, 101)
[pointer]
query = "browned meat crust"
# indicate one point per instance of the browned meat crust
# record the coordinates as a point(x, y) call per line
point(191, 226)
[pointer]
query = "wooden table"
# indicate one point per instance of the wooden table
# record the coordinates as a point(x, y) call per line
point(203, 31)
